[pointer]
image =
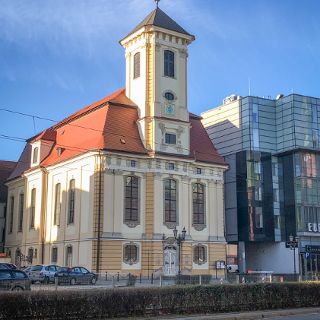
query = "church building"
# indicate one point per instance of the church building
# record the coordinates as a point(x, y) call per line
point(113, 186)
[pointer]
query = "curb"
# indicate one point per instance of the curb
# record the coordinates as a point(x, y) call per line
point(252, 315)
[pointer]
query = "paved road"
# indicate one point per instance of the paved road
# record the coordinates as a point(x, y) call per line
point(312, 316)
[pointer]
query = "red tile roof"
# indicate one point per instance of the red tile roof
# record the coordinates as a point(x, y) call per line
point(109, 124)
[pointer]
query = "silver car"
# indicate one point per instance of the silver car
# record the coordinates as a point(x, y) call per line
point(42, 273)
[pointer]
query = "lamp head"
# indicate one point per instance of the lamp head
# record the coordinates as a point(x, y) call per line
point(184, 233)
point(291, 238)
point(175, 232)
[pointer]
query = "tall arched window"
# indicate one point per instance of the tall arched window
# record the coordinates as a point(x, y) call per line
point(72, 192)
point(170, 201)
point(131, 205)
point(33, 208)
point(168, 63)
point(11, 214)
point(198, 203)
point(136, 65)
point(21, 207)
point(57, 205)
point(35, 155)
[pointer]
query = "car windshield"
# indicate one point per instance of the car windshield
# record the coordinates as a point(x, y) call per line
point(36, 268)
point(3, 266)
point(63, 269)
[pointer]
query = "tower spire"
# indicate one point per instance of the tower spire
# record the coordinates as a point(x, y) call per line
point(157, 3)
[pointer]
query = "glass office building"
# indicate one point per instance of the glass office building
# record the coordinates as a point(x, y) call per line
point(273, 185)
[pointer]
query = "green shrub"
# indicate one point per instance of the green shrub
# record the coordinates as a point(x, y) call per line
point(110, 303)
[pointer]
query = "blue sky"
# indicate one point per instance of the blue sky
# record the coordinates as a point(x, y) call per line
point(57, 56)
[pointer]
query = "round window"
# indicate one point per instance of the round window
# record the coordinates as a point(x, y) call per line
point(169, 96)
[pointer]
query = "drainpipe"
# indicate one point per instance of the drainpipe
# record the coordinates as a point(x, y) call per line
point(99, 215)
point(44, 198)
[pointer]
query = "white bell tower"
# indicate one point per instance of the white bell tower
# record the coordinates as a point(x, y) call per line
point(156, 81)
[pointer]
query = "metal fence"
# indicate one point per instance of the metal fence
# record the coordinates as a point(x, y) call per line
point(118, 280)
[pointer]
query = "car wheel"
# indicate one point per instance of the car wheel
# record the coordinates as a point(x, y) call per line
point(73, 281)
point(93, 280)
point(17, 289)
point(46, 280)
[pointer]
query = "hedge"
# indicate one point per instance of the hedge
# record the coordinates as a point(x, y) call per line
point(111, 303)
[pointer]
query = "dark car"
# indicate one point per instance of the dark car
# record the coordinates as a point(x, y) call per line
point(14, 280)
point(4, 265)
point(76, 275)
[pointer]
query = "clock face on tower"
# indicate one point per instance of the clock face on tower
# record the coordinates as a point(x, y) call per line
point(169, 109)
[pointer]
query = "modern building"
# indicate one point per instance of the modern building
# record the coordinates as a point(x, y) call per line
point(106, 187)
point(6, 167)
point(272, 189)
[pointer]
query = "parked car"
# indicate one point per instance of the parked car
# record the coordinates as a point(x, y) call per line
point(14, 280)
point(76, 275)
point(42, 273)
point(5, 265)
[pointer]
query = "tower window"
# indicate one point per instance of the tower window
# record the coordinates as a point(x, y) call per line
point(169, 96)
point(169, 63)
point(170, 138)
point(35, 155)
point(136, 65)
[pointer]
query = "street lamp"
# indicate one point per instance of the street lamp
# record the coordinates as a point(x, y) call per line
point(293, 244)
point(179, 239)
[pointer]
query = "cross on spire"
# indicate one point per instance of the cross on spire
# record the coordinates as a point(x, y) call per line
point(157, 2)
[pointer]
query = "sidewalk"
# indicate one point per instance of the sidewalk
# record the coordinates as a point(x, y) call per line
point(240, 315)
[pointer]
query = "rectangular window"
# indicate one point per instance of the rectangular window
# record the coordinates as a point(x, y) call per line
point(11, 214)
point(170, 200)
point(57, 205)
point(71, 201)
point(133, 163)
point(198, 203)
point(21, 207)
point(54, 255)
point(169, 63)
point(131, 200)
point(136, 65)
point(33, 208)
point(259, 218)
point(199, 171)
point(170, 166)
point(170, 138)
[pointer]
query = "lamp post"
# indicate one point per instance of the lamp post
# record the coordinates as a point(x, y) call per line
point(179, 239)
point(293, 244)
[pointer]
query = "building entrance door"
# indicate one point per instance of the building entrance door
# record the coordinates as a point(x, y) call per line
point(170, 261)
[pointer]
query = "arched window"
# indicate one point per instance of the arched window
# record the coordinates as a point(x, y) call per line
point(69, 256)
point(57, 205)
point(170, 201)
point(169, 63)
point(199, 254)
point(33, 208)
point(131, 206)
point(11, 214)
point(72, 192)
point(21, 208)
point(130, 253)
point(136, 65)
point(198, 203)
point(35, 155)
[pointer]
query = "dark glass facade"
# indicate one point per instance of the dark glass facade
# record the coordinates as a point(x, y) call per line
point(255, 196)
